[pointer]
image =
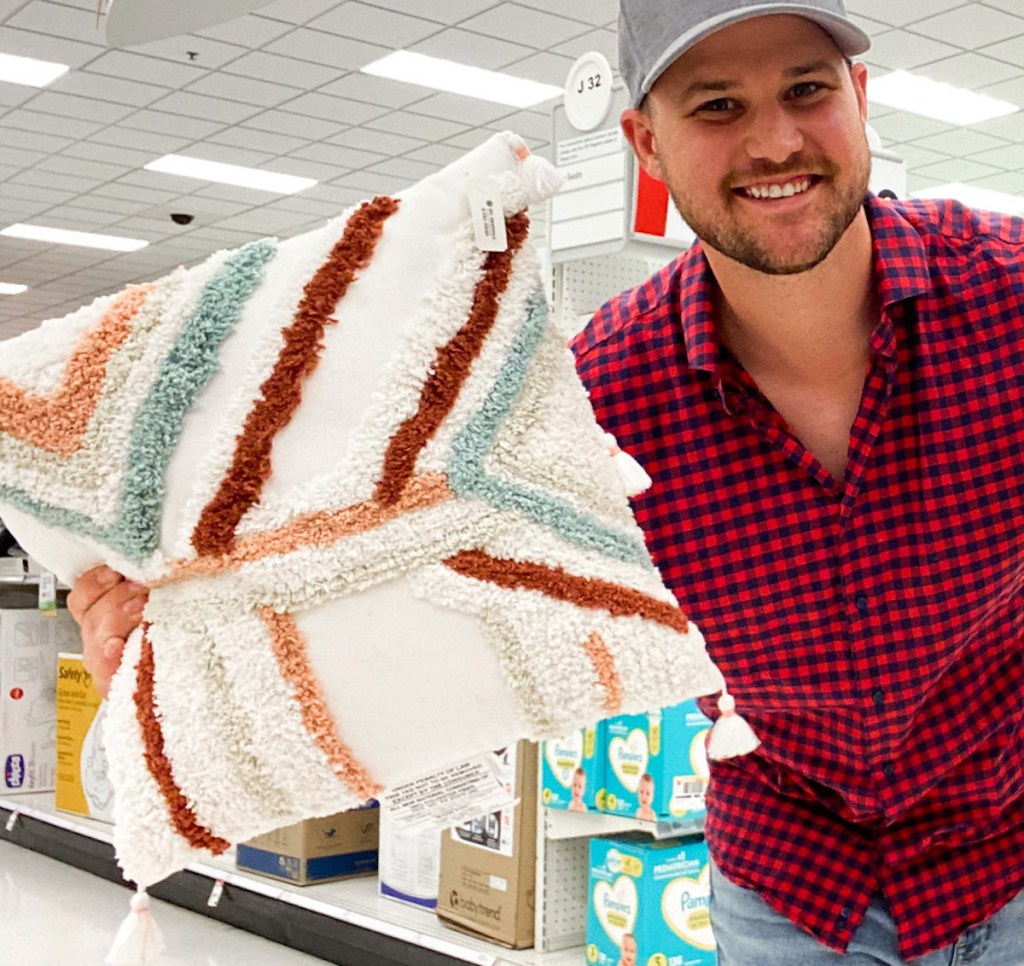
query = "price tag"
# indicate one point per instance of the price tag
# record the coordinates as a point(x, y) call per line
point(588, 91)
point(47, 594)
point(488, 215)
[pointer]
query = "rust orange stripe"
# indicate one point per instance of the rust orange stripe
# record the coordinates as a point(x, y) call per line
point(557, 583)
point(182, 817)
point(451, 368)
point(293, 659)
point(57, 423)
point(319, 529)
point(607, 675)
point(281, 392)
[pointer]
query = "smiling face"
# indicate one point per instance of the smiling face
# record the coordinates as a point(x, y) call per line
point(628, 950)
point(758, 131)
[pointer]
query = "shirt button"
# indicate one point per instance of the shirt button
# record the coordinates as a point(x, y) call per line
point(861, 603)
point(878, 696)
point(889, 769)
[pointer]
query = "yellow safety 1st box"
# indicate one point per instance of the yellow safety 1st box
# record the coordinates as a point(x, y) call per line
point(571, 770)
point(655, 765)
point(648, 903)
point(83, 786)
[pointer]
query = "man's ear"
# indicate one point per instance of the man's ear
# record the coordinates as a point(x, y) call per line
point(637, 127)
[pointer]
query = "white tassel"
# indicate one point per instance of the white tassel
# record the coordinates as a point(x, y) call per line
point(540, 178)
point(731, 736)
point(138, 941)
point(634, 476)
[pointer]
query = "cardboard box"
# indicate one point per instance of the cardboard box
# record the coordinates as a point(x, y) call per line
point(655, 765)
point(648, 902)
point(487, 884)
point(410, 864)
point(29, 644)
point(572, 770)
point(83, 785)
point(316, 850)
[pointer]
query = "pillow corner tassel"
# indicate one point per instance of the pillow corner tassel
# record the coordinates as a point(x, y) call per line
point(138, 941)
point(731, 735)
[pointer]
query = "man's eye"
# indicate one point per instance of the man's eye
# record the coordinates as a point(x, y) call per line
point(718, 106)
point(805, 89)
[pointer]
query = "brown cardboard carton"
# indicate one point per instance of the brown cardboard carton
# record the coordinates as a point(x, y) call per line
point(487, 879)
point(316, 850)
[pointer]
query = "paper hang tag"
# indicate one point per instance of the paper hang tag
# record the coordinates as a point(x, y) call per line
point(488, 215)
point(47, 593)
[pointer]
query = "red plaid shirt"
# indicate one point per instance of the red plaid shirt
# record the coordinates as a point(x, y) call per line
point(871, 629)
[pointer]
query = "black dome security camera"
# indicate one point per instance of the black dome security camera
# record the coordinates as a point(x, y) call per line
point(181, 218)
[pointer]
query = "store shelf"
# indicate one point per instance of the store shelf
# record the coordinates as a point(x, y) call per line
point(342, 922)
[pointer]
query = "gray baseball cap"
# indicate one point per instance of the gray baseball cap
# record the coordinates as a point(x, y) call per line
point(654, 33)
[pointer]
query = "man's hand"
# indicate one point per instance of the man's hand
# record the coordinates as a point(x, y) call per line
point(108, 607)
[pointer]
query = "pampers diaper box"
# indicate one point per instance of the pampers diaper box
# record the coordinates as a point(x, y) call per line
point(655, 765)
point(571, 770)
point(648, 903)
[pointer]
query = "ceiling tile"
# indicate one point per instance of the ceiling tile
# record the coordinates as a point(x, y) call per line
point(337, 109)
point(470, 110)
point(417, 126)
point(342, 157)
point(296, 73)
point(137, 67)
point(902, 50)
point(296, 11)
point(900, 126)
point(80, 108)
point(404, 168)
point(58, 20)
point(970, 70)
point(983, 26)
point(364, 22)
point(596, 12)
point(603, 41)
point(960, 142)
point(29, 120)
point(85, 83)
point(204, 108)
point(441, 11)
point(11, 95)
point(27, 43)
point(156, 142)
point(898, 14)
point(160, 122)
point(208, 54)
point(252, 140)
point(245, 90)
point(546, 67)
point(475, 49)
point(523, 25)
point(382, 142)
point(1010, 182)
point(294, 125)
point(372, 184)
point(29, 140)
point(439, 154)
point(375, 90)
point(321, 47)
point(95, 171)
point(248, 31)
point(957, 169)
point(1010, 157)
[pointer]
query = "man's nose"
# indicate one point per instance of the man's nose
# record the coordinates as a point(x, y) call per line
point(773, 135)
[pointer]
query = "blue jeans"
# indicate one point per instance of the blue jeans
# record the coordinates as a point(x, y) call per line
point(751, 933)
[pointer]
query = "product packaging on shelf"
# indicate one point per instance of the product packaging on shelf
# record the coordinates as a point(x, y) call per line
point(655, 765)
point(316, 850)
point(29, 644)
point(487, 883)
point(648, 903)
point(83, 785)
point(571, 770)
point(409, 863)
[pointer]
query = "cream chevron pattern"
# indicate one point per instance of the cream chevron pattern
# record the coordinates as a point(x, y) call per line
point(381, 528)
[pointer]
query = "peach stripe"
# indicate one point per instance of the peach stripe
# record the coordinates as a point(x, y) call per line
point(182, 817)
point(587, 592)
point(293, 659)
point(451, 368)
point(57, 423)
point(607, 675)
point(319, 529)
point(281, 392)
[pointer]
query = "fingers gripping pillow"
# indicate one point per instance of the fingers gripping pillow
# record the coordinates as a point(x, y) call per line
point(380, 525)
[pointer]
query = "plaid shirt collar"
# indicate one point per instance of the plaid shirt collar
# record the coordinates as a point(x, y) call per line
point(901, 272)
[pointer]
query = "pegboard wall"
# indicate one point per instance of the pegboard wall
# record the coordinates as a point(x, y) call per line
point(562, 892)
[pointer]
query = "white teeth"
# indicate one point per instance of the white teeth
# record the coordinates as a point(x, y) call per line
point(778, 190)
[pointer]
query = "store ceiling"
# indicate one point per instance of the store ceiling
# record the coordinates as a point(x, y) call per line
point(281, 89)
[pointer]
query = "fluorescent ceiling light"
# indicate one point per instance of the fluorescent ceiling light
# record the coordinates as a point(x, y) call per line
point(9, 288)
point(283, 184)
point(447, 75)
point(934, 99)
point(975, 197)
point(61, 236)
point(29, 71)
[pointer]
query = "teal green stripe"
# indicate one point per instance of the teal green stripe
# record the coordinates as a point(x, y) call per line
point(467, 477)
point(188, 367)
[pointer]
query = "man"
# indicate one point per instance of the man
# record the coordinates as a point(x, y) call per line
point(827, 393)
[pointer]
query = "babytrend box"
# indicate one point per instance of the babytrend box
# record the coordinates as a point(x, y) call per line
point(655, 765)
point(571, 770)
point(648, 903)
point(29, 644)
point(83, 786)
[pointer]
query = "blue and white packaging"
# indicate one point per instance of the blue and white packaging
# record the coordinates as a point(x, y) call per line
point(571, 770)
point(655, 765)
point(648, 903)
